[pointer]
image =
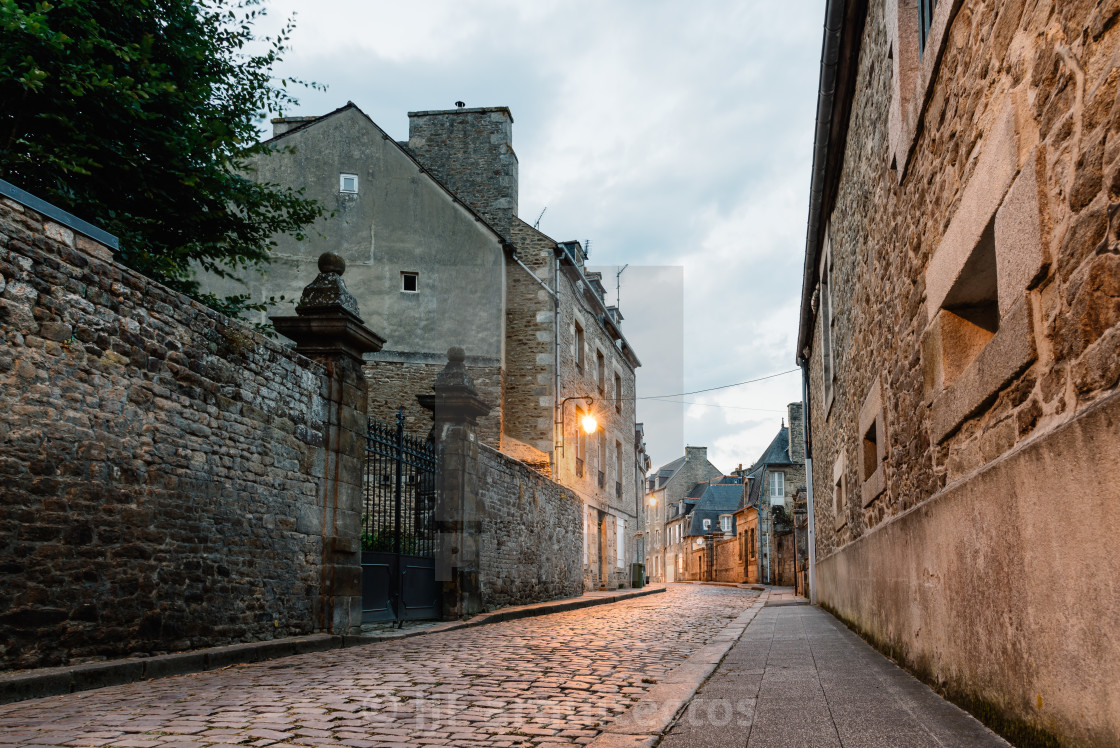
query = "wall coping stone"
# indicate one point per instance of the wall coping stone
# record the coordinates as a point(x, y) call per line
point(41, 206)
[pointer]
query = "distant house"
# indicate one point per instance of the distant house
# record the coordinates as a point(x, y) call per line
point(671, 492)
point(437, 257)
point(770, 483)
point(712, 517)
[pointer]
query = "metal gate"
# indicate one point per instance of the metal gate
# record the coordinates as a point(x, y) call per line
point(398, 525)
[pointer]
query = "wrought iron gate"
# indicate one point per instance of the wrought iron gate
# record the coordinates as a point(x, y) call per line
point(398, 525)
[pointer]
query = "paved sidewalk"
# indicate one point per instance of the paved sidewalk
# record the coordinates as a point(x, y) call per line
point(798, 677)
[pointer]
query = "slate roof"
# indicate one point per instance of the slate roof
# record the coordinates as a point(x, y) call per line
point(754, 487)
point(778, 451)
point(667, 471)
point(721, 498)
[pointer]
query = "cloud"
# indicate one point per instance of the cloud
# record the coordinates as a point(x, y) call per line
point(667, 133)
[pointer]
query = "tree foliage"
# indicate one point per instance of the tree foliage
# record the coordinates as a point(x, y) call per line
point(139, 115)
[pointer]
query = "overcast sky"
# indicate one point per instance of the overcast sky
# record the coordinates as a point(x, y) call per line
point(676, 136)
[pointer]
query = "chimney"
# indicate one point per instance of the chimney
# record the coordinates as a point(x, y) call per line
point(796, 431)
point(470, 150)
point(696, 454)
point(281, 125)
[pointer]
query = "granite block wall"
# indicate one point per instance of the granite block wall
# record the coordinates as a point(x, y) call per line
point(160, 464)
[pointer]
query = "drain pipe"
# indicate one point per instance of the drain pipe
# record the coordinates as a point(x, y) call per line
point(809, 506)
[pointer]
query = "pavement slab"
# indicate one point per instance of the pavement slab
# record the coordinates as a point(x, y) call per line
point(799, 677)
point(512, 683)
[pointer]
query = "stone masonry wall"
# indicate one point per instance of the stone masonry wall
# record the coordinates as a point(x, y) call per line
point(728, 562)
point(530, 342)
point(393, 384)
point(471, 152)
point(161, 464)
point(532, 531)
point(1022, 120)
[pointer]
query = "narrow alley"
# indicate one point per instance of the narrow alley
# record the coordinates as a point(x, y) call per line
point(562, 679)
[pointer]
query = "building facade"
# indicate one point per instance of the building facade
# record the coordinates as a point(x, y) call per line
point(437, 255)
point(960, 333)
point(666, 491)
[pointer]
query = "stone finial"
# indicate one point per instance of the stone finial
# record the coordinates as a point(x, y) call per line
point(454, 376)
point(455, 395)
point(328, 290)
point(327, 322)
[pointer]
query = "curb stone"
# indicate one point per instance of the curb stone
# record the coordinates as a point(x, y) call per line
point(643, 723)
point(54, 681)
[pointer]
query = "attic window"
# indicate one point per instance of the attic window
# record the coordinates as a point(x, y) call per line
point(707, 524)
point(725, 523)
point(348, 183)
point(410, 282)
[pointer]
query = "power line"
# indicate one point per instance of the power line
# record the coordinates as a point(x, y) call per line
point(721, 387)
point(713, 405)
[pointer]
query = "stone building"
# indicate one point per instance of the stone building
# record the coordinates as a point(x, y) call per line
point(666, 491)
point(439, 257)
point(712, 518)
point(960, 334)
point(769, 487)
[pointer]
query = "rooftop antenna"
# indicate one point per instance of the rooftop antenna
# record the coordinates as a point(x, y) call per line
point(586, 247)
point(537, 223)
point(618, 285)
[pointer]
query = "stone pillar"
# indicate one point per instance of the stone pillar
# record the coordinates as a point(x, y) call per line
point(456, 407)
point(328, 329)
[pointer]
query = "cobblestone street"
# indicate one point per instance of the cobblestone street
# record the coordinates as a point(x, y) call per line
point(551, 680)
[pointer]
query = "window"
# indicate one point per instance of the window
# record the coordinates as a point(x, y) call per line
point(873, 444)
point(925, 20)
point(410, 282)
point(725, 523)
point(777, 488)
point(618, 393)
point(839, 499)
point(970, 311)
point(348, 183)
point(707, 524)
point(602, 458)
point(620, 543)
point(979, 335)
point(600, 371)
point(579, 347)
point(581, 444)
point(751, 543)
point(618, 469)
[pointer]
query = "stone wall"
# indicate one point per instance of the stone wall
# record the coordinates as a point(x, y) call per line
point(162, 464)
point(532, 533)
point(396, 379)
point(530, 381)
point(728, 563)
point(471, 151)
point(1016, 154)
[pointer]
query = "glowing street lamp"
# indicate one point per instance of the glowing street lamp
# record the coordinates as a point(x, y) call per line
point(588, 422)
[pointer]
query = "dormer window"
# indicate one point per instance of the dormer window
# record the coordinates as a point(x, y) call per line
point(348, 183)
point(707, 524)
